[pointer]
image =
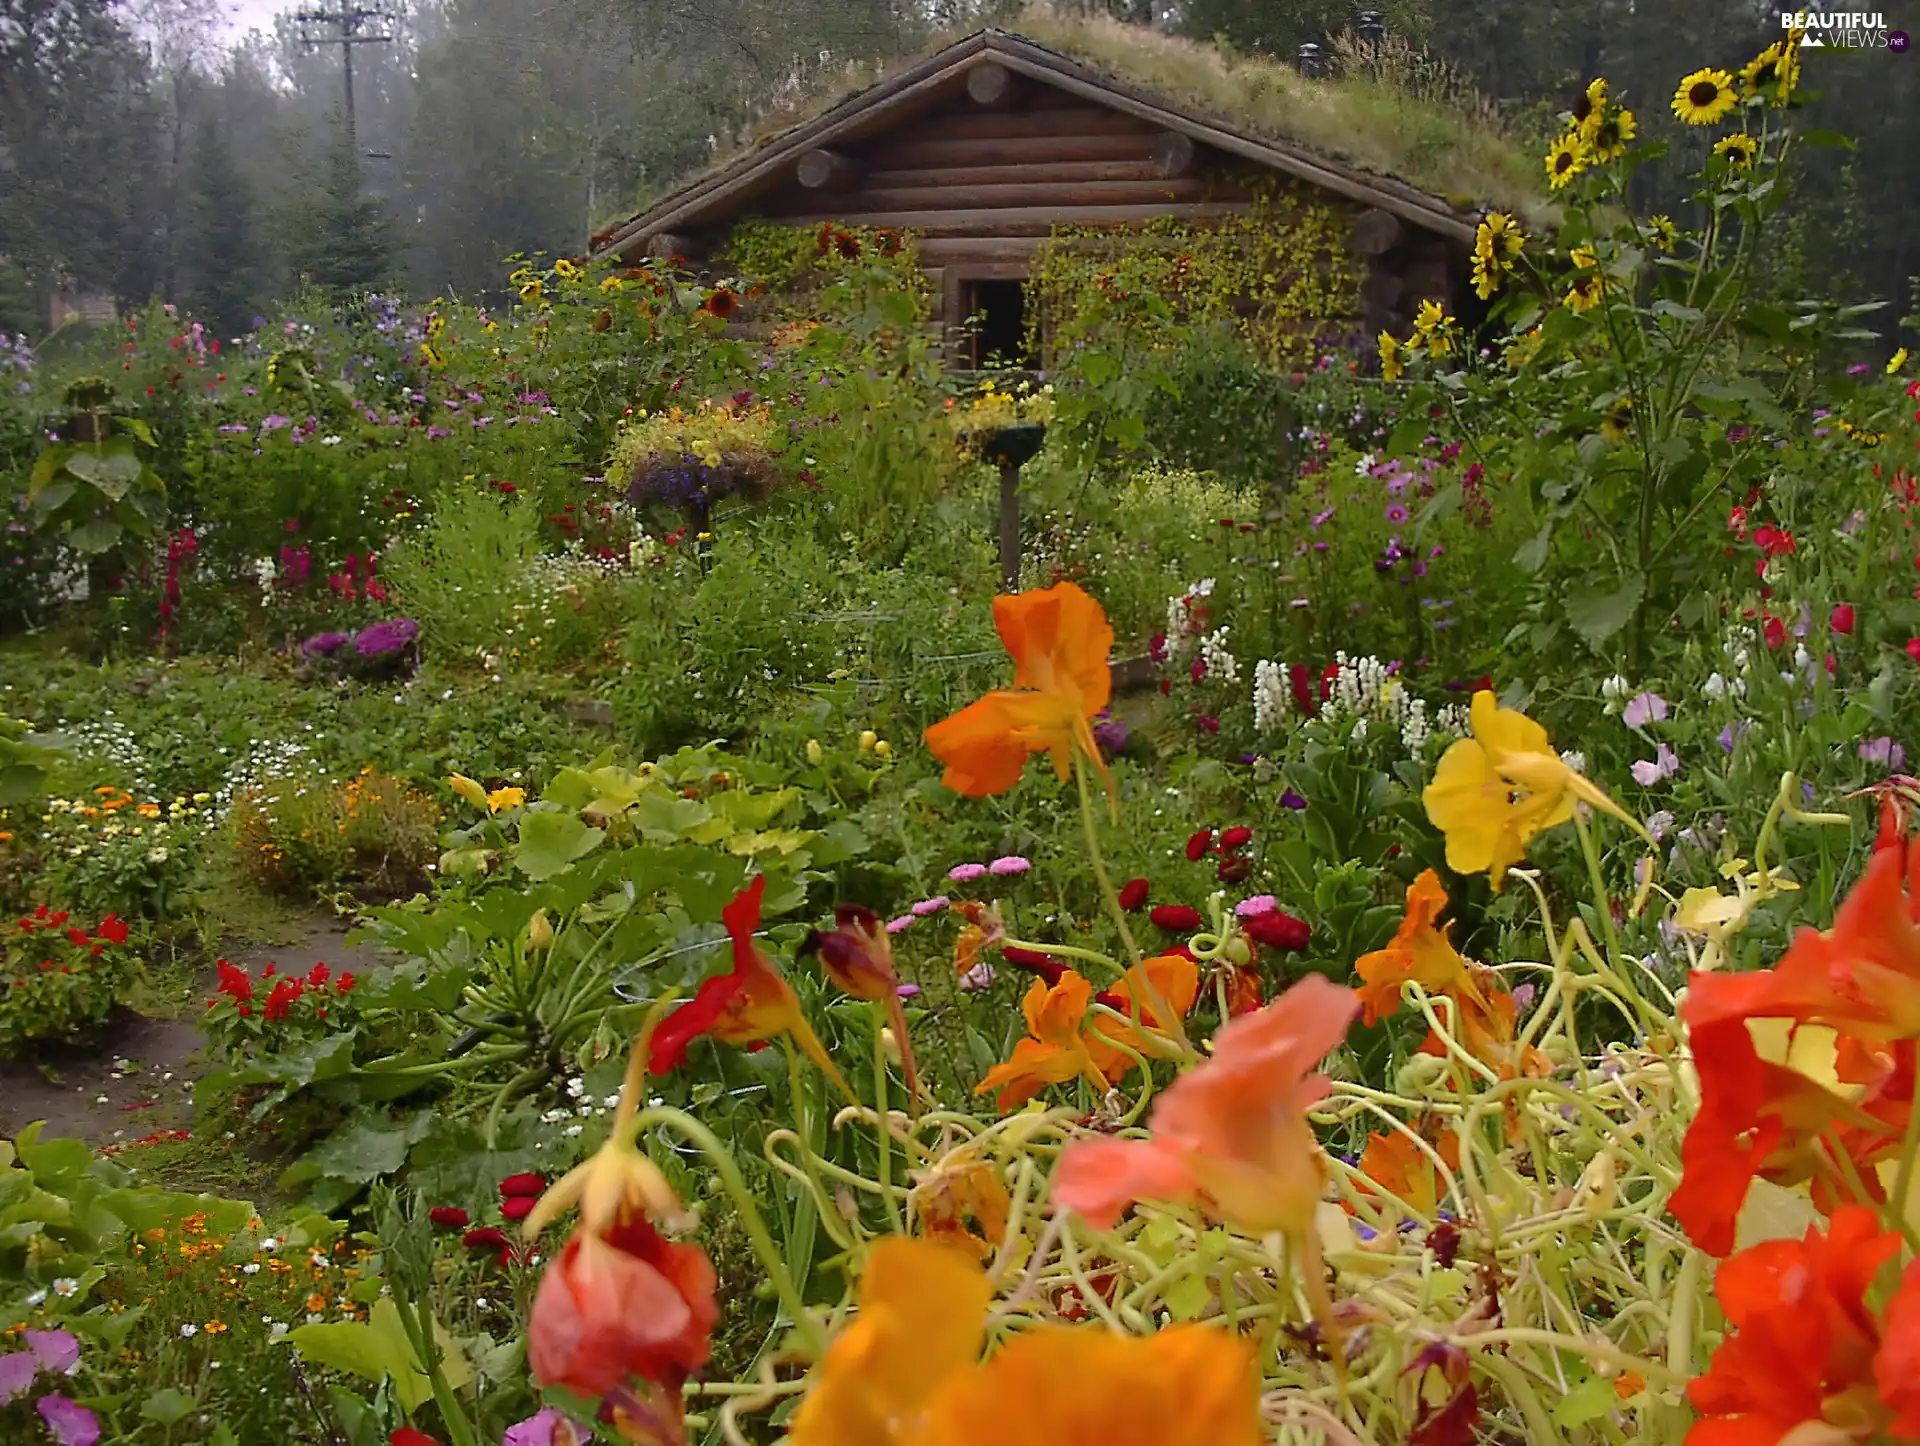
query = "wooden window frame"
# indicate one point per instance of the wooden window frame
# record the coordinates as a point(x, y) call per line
point(956, 283)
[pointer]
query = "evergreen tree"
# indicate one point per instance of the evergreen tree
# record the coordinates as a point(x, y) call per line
point(336, 236)
point(223, 262)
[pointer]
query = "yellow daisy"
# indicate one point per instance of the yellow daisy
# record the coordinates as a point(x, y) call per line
point(1586, 292)
point(1501, 235)
point(1896, 361)
point(1430, 328)
point(1775, 71)
point(1704, 97)
point(1566, 158)
point(1739, 148)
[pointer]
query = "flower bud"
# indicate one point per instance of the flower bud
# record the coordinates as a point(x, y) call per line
point(1418, 1076)
point(867, 739)
point(814, 752)
point(883, 749)
point(472, 792)
point(539, 931)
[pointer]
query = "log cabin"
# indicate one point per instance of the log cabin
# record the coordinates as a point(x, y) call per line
point(987, 147)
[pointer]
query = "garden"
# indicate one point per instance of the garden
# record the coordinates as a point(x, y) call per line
point(553, 893)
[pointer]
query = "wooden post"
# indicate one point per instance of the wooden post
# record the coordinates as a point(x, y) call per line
point(993, 86)
point(1010, 525)
point(1174, 154)
point(824, 170)
point(664, 246)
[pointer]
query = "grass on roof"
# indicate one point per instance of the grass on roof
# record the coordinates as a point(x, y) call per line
point(1399, 113)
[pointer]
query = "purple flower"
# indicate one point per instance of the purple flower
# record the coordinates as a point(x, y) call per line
point(1664, 764)
point(1397, 513)
point(1292, 800)
point(981, 976)
point(55, 1350)
point(324, 644)
point(907, 991)
point(1320, 517)
point(71, 1425)
point(1259, 904)
point(435, 433)
point(1110, 734)
point(1885, 751)
point(1732, 734)
point(16, 1374)
point(900, 925)
point(386, 638)
point(1523, 995)
point(1644, 708)
point(273, 422)
point(967, 873)
point(1010, 864)
point(930, 906)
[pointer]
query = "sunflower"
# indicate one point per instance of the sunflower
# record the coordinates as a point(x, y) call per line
point(1666, 235)
point(1566, 158)
point(566, 270)
point(722, 302)
point(888, 242)
point(1774, 71)
point(1487, 272)
point(1502, 236)
point(1704, 97)
point(1587, 292)
point(1619, 417)
point(1738, 148)
point(533, 290)
point(1430, 328)
point(1591, 104)
point(847, 245)
point(1611, 136)
point(1392, 364)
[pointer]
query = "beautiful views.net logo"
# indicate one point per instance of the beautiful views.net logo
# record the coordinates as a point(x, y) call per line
point(1842, 30)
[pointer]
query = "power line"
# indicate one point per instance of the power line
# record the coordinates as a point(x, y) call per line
point(344, 24)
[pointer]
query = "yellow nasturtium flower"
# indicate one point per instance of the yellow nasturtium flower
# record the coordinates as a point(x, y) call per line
point(1497, 791)
point(505, 798)
point(472, 792)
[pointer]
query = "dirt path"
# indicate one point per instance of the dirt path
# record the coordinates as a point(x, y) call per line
point(136, 1078)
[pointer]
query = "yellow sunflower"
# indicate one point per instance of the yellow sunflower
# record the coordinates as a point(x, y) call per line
point(1619, 417)
point(1775, 71)
point(1566, 158)
point(1487, 272)
point(1586, 292)
point(1392, 365)
point(1611, 137)
point(566, 270)
point(1666, 235)
point(1590, 106)
point(1431, 328)
point(1896, 361)
point(1738, 148)
point(1704, 97)
point(1501, 234)
point(533, 290)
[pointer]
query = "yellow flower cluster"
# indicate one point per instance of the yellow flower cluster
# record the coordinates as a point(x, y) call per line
point(708, 432)
point(993, 407)
point(1434, 335)
point(1497, 244)
point(1589, 287)
point(1599, 130)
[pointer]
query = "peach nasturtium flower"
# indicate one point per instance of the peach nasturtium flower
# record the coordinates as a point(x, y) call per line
point(1059, 638)
point(1495, 792)
point(1230, 1135)
point(1055, 1050)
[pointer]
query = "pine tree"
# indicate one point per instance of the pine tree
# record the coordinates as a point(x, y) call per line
point(337, 237)
point(223, 261)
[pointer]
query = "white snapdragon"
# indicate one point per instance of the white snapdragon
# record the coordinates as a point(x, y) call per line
point(1220, 663)
point(1614, 693)
point(1270, 695)
point(1413, 727)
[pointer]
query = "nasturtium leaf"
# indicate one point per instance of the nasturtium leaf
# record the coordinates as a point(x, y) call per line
point(550, 842)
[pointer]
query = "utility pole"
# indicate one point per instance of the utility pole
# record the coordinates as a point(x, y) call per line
point(342, 26)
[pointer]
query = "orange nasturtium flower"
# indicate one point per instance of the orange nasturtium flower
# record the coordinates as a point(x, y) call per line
point(748, 1006)
point(1421, 953)
point(1495, 792)
point(1400, 1167)
point(963, 1202)
point(1173, 978)
point(1055, 1051)
point(1059, 638)
point(905, 1372)
point(1231, 1134)
point(1806, 1360)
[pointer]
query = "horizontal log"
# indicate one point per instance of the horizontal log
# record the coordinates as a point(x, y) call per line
point(991, 85)
point(1026, 220)
point(1382, 288)
point(984, 198)
point(898, 154)
point(1132, 169)
point(963, 251)
point(1174, 154)
point(824, 170)
point(995, 125)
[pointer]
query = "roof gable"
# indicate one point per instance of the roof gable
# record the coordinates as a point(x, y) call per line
point(943, 77)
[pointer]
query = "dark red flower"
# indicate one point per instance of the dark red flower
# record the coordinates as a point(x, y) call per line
point(526, 1183)
point(487, 1237)
point(284, 996)
point(234, 981)
point(1913, 649)
point(1239, 836)
point(1774, 541)
point(1234, 869)
point(407, 1436)
point(1034, 962)
point(448, 1217)
point(1133, 895)
point(1842, 619)
point(1198, 844)
point(319, 975)
point(78, 937)
point(1774, 631)
point(1176, 918)
point(518, 1207)
point(1280, 930)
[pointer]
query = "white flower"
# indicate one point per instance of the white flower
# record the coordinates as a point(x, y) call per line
point(1220, 663)
point(66, 1286)
point(37, 1298)
point(189, 1330)
point(320, 1262)
point(270, 1244)
point(157, 855)
point(1575, 760)
point(252, 1267)
point(572, 1130)
point(329, 441)
point(277, 1331)
point(1269, 695)
point(1413, 731)
point(1364, 465)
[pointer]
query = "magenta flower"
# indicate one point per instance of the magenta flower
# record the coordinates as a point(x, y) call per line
point(967, 873)
point(930, 906)
point(1010, 864)
point(71, 1425)
point(1884, 750)
point(901, 924)
point(1259, 904)
point(1397, 513)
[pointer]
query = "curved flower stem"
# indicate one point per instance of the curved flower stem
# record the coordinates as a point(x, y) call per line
point(1653, 1372)
point(802, 1133)
point(883, 1125)
point(1647, 1019)
point(1068, 951)
point(1686, 1285)
point(1903, 1181)
point(758, 1236)
point(826, 1167)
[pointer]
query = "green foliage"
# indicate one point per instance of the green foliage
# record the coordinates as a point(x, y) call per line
point(456, 577)
point(94, 488)
point(335, 236)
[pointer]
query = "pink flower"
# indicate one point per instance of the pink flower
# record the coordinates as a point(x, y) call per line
point(967, 873)
point(1009, 864)
point(70, 1424)
point(1841, 620)
point(931, 906)
point(1664, 764)
point(1644, 708)
point(1258, 904)
point(900, 925)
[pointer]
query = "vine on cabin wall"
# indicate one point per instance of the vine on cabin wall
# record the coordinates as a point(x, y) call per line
point(1280, 275)
point(791, 264)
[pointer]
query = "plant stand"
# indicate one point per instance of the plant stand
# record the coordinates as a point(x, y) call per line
point(1011, 448)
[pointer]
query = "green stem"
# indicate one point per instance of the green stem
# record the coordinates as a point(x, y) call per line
point(803, 1137)
point(884, 1126)
point(750, 1219)
point(1649, 1018)
point(451, 1416)
point(1903, 1182)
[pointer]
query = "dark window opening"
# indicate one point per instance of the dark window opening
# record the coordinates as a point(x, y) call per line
point(999, 313)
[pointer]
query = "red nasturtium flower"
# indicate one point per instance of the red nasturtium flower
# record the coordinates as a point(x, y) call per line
point(1059, 639)
point(1806, 1359)
point(748, 1006)
point(858, 956)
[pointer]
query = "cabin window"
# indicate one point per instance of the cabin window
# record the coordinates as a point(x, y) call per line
point(998, 307)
